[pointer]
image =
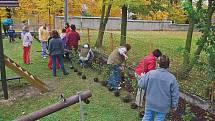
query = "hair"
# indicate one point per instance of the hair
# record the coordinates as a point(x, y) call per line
point(127, 46)
point(157, 53)
point(87, 45)
point(73, 27)
point(55, 34)
point(163, 61)
point(63, 30)
point(67, 25)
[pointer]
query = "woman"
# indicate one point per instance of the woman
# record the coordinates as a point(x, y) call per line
point(56, 50)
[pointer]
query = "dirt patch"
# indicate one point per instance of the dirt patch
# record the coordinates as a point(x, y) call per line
point(19, 92)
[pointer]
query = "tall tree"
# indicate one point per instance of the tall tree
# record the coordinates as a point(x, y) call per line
point(192, 17)
point(123, 24)
point(103, 21)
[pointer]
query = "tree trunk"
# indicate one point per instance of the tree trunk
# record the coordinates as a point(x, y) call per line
point(188, 43)
point(123, 25)
point(103, 25)
point(203, 40)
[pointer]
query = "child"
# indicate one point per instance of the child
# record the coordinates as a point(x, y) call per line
point(11, 34)
point(86, 55)
point(26, 41)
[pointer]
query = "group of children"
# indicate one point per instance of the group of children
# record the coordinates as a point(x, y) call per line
point(69, 39)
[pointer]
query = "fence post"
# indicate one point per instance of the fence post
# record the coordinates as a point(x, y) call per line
point(150, 47)
point(212, 92)
point(111, 42)
point(88, 35)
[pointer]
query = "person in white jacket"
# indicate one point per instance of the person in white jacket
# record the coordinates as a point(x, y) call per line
point(26, 42)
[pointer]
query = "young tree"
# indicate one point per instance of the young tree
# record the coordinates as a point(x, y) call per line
point(103, 21)
point(205, 40)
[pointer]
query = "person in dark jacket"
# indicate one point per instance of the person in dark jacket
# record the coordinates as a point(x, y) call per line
point(11, 33)
point(162, 92)
point(56, 50)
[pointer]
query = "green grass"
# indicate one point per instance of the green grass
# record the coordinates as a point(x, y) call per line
point(104, 106)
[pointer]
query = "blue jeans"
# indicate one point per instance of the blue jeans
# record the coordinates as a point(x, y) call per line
point(43, 46)
point(60, 59)
point(114, 78)
point(150, 115)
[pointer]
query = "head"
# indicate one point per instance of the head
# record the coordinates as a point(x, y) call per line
point(157, 53)
point(11, 27)
point(127, 46)
point(73, 27)
point(66, 25)
point(163, 61)
point(25, 29)
point(63, 30)
point(54, 34)
point(9, 16)
point(86, 46)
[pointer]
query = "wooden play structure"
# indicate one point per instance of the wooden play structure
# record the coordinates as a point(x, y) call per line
point(25, 74)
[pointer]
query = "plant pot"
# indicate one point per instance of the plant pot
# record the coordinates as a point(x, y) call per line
point(95, 79)
point(116, 93)
point(127, 99)
point(75, 70)
point(71, 67)
point(83, 77)
point(79, 73)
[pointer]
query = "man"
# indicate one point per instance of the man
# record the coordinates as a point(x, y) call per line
point(145, 65)
point(115, 60)
point(43, 37)
point(162, 91)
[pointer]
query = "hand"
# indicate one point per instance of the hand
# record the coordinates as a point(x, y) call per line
point(126, 57)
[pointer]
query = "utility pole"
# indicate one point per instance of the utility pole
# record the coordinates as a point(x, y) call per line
point(65, 11)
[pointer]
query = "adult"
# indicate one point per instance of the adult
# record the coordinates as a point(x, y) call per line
point(43, 37)
point(56, 50)
point(115, 60)
point(162, 92)
point(145, 65)
point(6, 24)
point(73, 38)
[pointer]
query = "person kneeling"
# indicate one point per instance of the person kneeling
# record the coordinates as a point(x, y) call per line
point(86, 56)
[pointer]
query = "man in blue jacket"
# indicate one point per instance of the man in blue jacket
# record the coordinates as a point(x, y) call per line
point(162, 92)
point(6, 24)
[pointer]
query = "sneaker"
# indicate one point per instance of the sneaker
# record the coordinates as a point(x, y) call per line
point(44, 57)
point(119, 88)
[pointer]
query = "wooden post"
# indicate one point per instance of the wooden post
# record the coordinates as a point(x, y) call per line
point(2, 65)
point(212, 92)
point(88, 35)
point(150, 47)
point(111, 42)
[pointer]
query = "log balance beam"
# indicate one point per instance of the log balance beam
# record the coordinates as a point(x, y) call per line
point(55, 107)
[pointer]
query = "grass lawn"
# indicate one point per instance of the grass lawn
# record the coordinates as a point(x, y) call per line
point(104, 106)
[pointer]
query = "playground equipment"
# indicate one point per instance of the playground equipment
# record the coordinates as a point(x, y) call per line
point(25, 74)
point(79, 97)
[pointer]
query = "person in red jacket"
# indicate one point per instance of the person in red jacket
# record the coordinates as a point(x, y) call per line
point(145, 65)
point(72, 38)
